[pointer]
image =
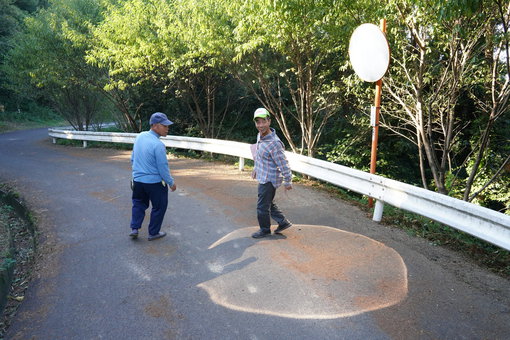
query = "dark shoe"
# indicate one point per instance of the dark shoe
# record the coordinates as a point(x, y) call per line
point(282, 228)
point(159, 235)
point(260, 234)
point(134, 233)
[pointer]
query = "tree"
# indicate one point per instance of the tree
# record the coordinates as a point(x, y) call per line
point(493, 101)
point(203, 69)
point(123, 47)
point(447, 92)
point(176, 47)
point(432, 64)
point(291, 55)
point(48, 55)
point(12, 14)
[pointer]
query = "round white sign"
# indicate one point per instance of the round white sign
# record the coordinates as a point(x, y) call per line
point(369, 52)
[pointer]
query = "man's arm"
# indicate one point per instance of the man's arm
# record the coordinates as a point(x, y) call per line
point(162, 165)
point(253, 149)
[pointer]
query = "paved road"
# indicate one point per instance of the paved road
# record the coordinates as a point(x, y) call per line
point(335, 275)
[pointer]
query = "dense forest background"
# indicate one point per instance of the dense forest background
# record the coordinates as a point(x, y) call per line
point(208, 64)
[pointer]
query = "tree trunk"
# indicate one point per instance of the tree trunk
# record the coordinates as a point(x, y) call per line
point(481, 151)
point(420, 155)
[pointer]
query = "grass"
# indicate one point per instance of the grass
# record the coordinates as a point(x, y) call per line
point(11, 121)
point(93, 144)
point(494, 258)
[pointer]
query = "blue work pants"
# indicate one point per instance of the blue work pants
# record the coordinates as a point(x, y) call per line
point(157, 195)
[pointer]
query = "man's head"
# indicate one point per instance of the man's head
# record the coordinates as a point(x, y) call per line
point(159, 123)
point(262, 121)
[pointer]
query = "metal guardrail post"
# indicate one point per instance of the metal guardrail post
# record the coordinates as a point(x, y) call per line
point(378, 211)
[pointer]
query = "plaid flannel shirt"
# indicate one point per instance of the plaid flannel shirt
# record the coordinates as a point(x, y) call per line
point(271, 165)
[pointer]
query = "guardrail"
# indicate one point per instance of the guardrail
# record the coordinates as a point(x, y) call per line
point(486, 224)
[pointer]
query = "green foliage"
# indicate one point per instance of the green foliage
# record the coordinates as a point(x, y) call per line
point(439, 84)
point(12, 14)
point(290, 55)
point(496, 195)
point(126, 42)
point(181, 48)
point(396, 157)
point(10, 17)
point(30, 115)
point(47, 59)
point(8, 262)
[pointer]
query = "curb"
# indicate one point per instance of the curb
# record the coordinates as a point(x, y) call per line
point(7, 268)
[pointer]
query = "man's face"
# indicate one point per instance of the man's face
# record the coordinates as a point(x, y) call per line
point(262, 125)
point(160, 129)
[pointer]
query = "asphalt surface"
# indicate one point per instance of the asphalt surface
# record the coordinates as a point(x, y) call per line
point(335, 274)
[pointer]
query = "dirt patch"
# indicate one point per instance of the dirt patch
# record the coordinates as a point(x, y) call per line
point(348, 274)
point(332, 258)
point(160, 250)
point(162, 309)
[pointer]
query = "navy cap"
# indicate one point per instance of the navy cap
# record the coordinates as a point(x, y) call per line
point(160, 118)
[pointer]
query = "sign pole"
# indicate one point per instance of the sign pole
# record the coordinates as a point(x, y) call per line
point(375, 120)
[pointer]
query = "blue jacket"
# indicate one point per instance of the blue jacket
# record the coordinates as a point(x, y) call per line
point(149, 161)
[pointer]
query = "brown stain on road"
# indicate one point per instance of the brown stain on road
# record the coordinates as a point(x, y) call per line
point(311, 272)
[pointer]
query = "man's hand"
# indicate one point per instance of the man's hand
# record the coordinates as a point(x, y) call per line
point(288, 187)
point(253, 174)
point(173, 187)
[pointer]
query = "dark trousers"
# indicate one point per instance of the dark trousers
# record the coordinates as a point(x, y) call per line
point(157, 194)
point(266, 208)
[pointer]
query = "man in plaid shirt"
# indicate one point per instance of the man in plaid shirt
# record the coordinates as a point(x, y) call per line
point(271, 169)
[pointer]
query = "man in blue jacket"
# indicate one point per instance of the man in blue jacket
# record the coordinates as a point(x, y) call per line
point(271, 170)
point(151, 177)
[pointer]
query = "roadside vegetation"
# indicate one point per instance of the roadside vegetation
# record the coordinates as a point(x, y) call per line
point(34, 117)
point(17, 255)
